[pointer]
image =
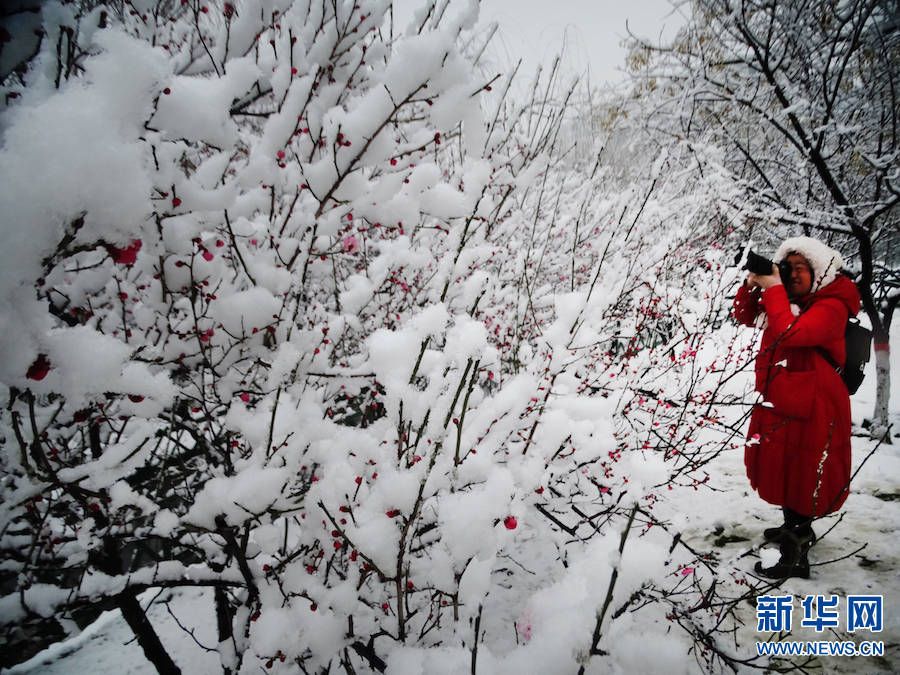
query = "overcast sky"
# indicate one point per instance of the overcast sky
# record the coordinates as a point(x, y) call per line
point(590, 30)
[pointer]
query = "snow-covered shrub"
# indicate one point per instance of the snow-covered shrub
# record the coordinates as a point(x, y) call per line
point(313, 315)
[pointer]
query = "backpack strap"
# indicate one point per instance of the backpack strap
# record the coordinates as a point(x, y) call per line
point(825, 355)
point(831, 361)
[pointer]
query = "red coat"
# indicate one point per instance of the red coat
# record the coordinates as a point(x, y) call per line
point(798, 448)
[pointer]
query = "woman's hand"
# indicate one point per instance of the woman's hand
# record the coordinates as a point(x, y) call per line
point(764, 281)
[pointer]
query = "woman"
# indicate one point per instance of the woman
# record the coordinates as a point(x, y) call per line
point(798, 447)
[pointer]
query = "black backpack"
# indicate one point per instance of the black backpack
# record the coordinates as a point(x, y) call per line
point(858, 341)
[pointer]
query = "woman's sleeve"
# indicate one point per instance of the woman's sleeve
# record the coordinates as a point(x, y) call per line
point(821, 324)
point(746, 305)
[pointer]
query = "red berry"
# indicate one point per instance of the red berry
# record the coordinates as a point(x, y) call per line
point(39, 369)
point(167, 91)
point(510, 522)
point(176, 202)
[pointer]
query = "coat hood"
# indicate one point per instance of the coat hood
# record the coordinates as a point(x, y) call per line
point(824, 260)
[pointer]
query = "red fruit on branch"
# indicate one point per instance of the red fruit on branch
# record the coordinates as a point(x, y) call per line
point(510, 522)
point(176, 202)
point(39, 369)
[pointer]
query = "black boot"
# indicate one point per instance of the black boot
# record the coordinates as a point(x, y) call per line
point(776, 533)
point(793, 522)
point(794, 561)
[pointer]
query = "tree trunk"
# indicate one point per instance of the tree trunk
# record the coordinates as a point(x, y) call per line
point(882, 391)
point(146, 636)
point(227, 652)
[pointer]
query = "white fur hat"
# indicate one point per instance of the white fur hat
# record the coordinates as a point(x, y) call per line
point(824, 260)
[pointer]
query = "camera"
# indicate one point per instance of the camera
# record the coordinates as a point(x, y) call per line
point(761, 265)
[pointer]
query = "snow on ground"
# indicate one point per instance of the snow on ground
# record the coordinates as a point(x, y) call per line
point(108, 645)
point(857, 553)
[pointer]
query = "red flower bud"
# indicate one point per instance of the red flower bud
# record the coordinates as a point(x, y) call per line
point(127, 255)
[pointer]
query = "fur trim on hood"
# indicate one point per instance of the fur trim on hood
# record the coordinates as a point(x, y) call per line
point(824, 260)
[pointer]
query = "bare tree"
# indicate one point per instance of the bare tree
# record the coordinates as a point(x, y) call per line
point(803, 98)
